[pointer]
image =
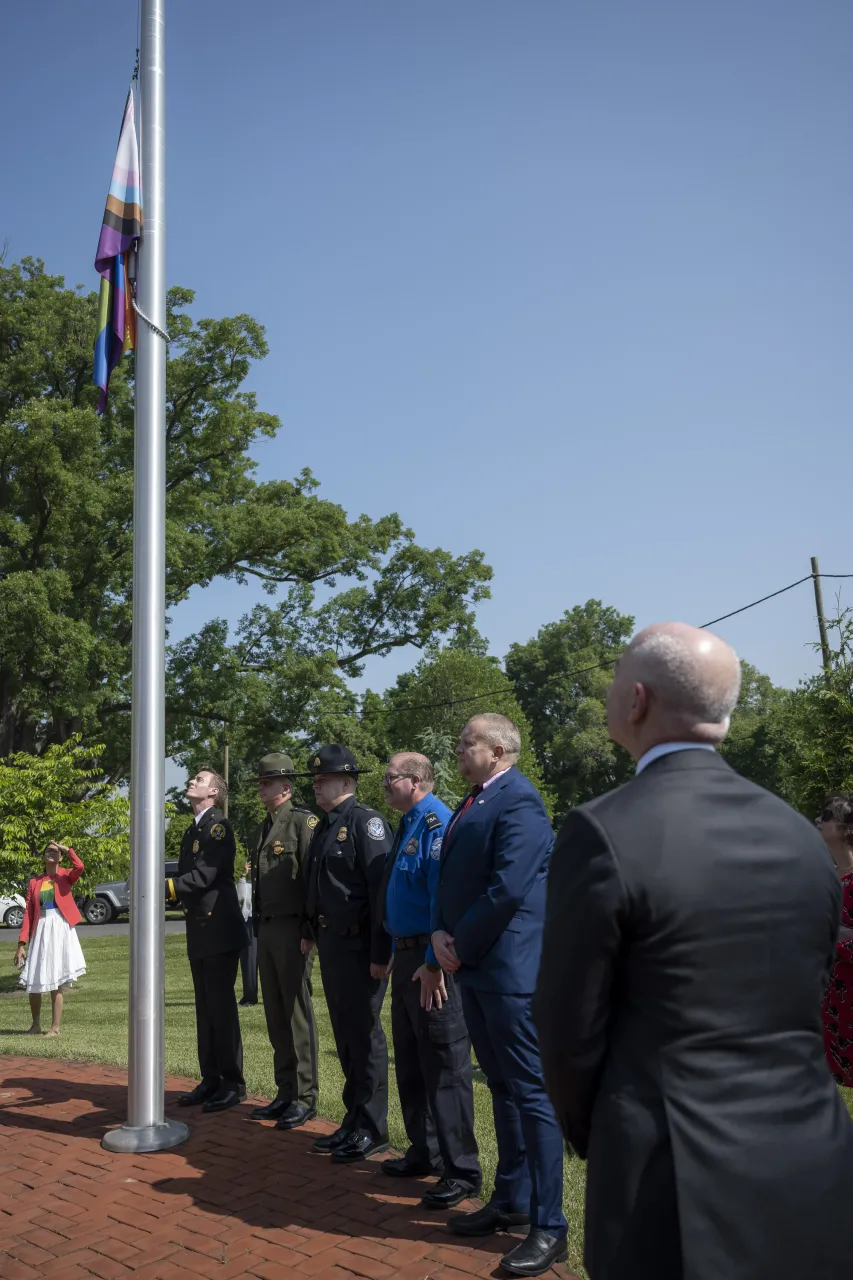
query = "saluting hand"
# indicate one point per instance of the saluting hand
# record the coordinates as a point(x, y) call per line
point(442, 945)
point(433, 988)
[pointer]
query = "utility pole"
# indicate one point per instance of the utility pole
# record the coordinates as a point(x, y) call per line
point(225, 775)
point(821, 620)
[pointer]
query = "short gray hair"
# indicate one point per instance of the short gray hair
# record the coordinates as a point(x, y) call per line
point(413, 765)
point(670, 670)
point(498, 731)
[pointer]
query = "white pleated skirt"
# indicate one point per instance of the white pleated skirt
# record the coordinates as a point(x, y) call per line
point(55, 957)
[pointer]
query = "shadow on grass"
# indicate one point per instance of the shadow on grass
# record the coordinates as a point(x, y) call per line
point(241, 1169)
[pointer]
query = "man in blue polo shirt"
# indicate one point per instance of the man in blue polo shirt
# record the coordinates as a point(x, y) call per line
point(432, 1051)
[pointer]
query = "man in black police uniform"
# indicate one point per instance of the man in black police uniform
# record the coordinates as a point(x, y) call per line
point(345, 864)
point(204, 887)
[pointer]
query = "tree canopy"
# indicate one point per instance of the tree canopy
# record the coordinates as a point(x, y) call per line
point(60, 795)
point(66, 487)
point(561, 678)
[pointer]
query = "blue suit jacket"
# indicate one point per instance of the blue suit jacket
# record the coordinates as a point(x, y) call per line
point(491, 889)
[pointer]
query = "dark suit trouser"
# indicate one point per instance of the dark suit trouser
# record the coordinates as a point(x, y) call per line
point(220, 1045)
point(529, 1176)
point(432, 1062)
point(355, 1002)
point(286, 986)
point(249, 964)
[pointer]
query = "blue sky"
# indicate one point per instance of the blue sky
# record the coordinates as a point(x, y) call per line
point(568, 281)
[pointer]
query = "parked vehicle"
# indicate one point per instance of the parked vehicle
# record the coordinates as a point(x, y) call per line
point(110, 900)
point(12, 907)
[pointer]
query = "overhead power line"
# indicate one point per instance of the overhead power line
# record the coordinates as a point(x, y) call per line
point(596, 666)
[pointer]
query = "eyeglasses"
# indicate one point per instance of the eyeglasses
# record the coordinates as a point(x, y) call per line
point(393, 777)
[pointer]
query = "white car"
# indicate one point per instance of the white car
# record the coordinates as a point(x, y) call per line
point(12, 908)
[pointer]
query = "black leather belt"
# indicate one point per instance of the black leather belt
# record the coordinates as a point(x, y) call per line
point(343, 931)
point(406, 944)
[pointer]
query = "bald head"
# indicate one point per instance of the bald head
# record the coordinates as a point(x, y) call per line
point(675, 683)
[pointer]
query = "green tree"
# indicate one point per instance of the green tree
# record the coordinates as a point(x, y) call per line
point(752, 746)
point(561, 678)
point(432, 703)
point(59, 796)
point(66, 543)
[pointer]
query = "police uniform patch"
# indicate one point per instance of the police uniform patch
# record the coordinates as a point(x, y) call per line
point(342, 835)
point(376, 829)
point(412, 846)
point(435, 851)
point(196, 846)
point(432, 821)
point(312, 821)
point(217, 831)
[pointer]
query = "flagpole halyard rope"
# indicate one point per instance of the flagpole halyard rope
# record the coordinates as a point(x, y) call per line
point(161, 333)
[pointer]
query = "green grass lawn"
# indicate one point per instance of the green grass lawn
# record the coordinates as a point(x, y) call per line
point(94, 1028)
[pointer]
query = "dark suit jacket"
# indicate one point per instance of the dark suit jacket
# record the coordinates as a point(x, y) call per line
point(491, 888)
point(691, 926)
point(204, 886)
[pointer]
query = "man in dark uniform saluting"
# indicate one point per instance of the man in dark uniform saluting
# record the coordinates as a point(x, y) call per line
point(278, 907)
point(345, 865)
point(204, 887)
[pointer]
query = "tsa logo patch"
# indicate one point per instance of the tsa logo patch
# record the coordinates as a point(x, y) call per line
point(376, 829)
point(435, 851)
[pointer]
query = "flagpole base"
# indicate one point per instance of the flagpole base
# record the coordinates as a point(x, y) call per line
point(129, 1139)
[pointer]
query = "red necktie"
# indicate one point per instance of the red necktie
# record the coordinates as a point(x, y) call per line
point(469, 800)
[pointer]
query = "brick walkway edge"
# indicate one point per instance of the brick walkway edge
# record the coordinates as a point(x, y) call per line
point(238, 1200)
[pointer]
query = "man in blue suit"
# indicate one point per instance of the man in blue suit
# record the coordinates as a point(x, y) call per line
point(487, 930)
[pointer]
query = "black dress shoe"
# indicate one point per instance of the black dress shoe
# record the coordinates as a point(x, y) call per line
point(486, 1221)
point(407, 1167)
point(244, 1004)
point(296, 1114)
point(199, 1094)
point(448, 1193)
point(228, 1096)
point(535, 1255)
point(331, 1141)
point(359, 1147)
point(271, 1111)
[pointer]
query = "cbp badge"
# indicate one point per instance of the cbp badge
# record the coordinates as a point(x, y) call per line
point(196, 847)
point(376, 829)
point(217, 831)
point(342, 835)
point(277, 848)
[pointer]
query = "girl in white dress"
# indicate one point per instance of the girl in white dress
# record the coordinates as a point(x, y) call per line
point(55, 957)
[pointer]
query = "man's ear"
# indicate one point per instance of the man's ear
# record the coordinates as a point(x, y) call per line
point(639, 704)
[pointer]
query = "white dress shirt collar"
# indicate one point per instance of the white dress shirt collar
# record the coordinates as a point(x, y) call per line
point(668, 748)
point(203, 811)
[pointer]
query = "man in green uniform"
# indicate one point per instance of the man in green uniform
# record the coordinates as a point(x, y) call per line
point(278, 907)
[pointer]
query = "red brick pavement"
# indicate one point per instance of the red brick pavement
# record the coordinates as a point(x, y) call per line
point(238, 1200)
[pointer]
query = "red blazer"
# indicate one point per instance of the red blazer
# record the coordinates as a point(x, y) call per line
point(65, 904)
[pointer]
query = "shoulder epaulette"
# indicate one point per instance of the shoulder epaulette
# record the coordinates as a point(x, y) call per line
point(433, 821)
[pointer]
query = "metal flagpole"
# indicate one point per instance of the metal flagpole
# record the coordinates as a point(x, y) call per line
point(146, 1129)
